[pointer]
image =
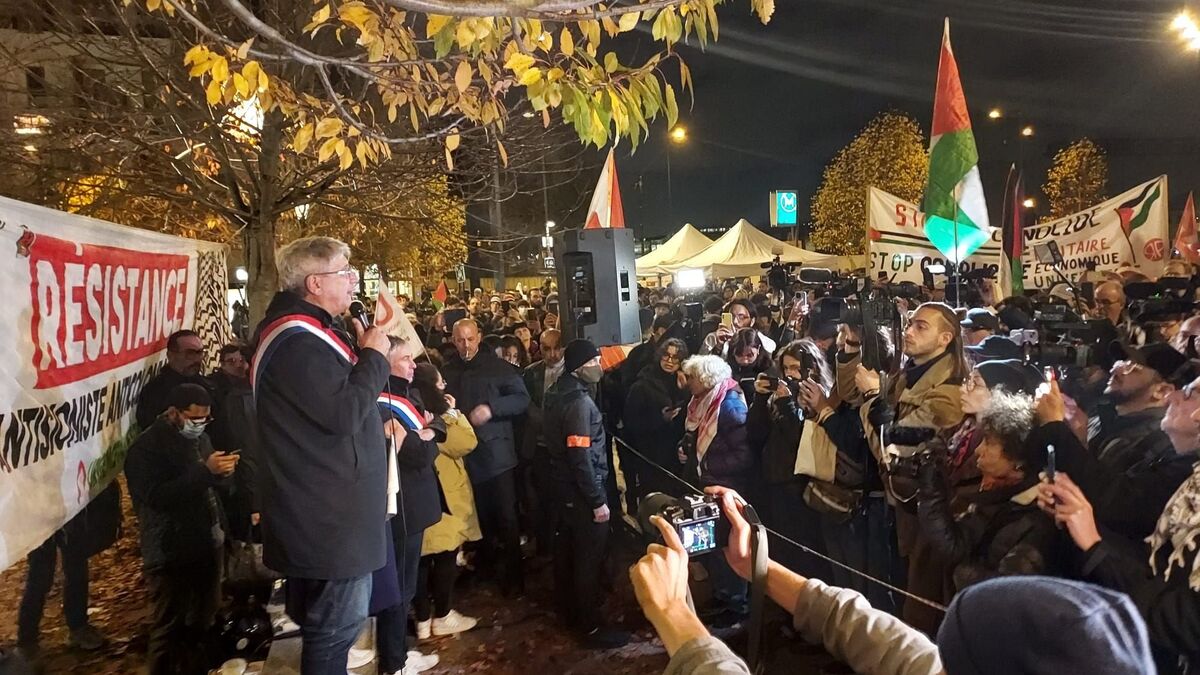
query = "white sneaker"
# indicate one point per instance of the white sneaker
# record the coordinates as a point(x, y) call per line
point(419, 662)
point(357, 658)
point(452, 623)
point(423, 629)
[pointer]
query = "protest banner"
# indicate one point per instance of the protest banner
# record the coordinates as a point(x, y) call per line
point(1129, 228)
point(88, 308)
point(897, 245)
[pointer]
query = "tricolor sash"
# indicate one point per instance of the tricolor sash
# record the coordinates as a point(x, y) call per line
point(279, 330)
point(402, 409)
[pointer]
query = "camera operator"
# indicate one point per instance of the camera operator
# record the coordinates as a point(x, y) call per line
point(925, 393)
point(1016, 625)
point(1169, 603)
point(998, 530)
point(743, 314)
point(1110, 304)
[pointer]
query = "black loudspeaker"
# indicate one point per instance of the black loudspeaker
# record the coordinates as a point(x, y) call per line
point(597, 286)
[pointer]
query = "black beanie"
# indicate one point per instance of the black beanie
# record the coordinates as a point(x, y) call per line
point(1014, 375)
point(579, 352)
point(1034, 625)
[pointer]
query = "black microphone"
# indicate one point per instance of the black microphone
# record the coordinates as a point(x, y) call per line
point(359, 311)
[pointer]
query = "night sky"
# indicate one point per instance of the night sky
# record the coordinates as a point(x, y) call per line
point(775, 103)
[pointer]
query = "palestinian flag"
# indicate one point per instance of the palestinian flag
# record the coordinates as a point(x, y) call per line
point(1012, 272)
point(956, 219)
point(1133, 213)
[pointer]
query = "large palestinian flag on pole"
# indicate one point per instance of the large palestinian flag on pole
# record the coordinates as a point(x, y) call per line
point(956, 219)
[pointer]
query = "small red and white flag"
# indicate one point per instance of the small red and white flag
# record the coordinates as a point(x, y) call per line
point(606, 210)
point(390, 317)
point(1185, 238)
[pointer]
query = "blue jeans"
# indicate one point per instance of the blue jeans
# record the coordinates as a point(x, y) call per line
point(330, 613)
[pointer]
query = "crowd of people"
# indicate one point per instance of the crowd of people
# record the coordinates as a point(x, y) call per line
point(959, 469)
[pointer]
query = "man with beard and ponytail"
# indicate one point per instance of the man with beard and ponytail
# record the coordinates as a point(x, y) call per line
point(925, 393)
point(574, 431)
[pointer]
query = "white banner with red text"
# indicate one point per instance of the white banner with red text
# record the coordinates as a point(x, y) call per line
point(84, 324)
point(897, 245)
point(1129, 229)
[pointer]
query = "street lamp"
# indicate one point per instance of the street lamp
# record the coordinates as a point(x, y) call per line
point(1027, 131)
point(995, 113)
point(1187, 29)
point(678, 136)
point(1029, 202)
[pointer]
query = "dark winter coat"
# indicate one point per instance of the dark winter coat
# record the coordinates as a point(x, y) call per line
point(574, 432)
point(999, 532)
point(488, 380)
point(172, 492)
point(775, 426)
point(1129, 501)
point(1120, 441)
point(152, 399)
point(420, 499)
point(645, 428)
point(730, 460)
point(323, 463)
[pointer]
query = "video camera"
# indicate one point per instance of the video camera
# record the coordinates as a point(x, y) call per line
point(1058, 337)
point(779, 274)
point(697, 520)
point(1170, 298)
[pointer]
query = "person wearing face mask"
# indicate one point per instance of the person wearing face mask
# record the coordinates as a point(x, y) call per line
point(574, 431)
point(171, 470)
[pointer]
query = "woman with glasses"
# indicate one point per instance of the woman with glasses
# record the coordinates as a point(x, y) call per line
point(654, 418)
point(748, 359)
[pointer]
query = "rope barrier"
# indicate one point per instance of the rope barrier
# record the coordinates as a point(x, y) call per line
point(925, 601)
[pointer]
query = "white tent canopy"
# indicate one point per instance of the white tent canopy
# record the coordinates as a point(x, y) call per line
point(741, 251)
point(685, 243)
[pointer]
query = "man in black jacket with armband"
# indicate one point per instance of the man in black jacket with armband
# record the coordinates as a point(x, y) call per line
point(574, 432)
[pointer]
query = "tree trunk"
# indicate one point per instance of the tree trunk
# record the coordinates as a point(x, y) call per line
point(260, 265)
point(260, 231)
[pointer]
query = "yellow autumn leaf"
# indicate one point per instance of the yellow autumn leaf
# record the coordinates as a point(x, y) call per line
point(566, 43)
point(449, 160)
point(196, 54)
point(554, 74)
point(330, 126)
point(519, 63)
point(220, 69)
point(153, 5)
point(462, 76)
point(464, 34)
point(244, 50)
point(452, 141)
point(200, 68)
point(322, 15)
point(241, 85)
point(212, 93)
point(629, 21)
point(531, 76)
point(328, 148)
point(303, 138)
point(435, 23)
point(345, 157)
point(360, 153)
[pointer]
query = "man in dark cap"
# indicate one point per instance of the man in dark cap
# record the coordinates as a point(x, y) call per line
point(574, 432)
point(979, 325)
point(1139, 383)
point(992, 348)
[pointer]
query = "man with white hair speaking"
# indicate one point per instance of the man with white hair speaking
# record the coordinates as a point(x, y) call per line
point(323, 455)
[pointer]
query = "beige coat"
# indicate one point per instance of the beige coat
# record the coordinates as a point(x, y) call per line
point(462, 523)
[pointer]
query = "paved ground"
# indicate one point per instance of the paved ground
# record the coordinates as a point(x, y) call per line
point(517, 637)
